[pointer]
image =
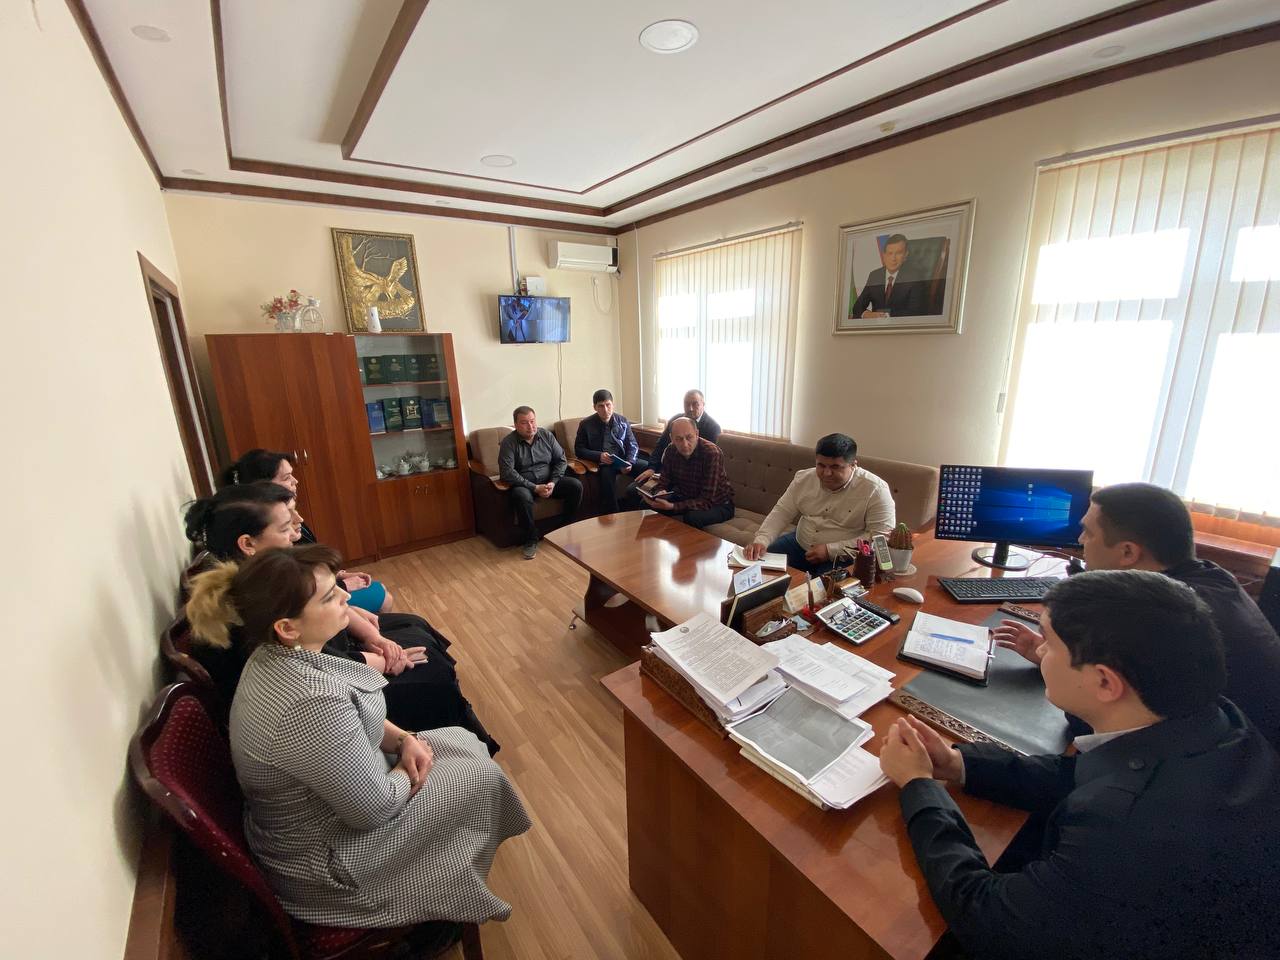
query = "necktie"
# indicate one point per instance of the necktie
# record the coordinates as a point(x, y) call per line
point(888, 291)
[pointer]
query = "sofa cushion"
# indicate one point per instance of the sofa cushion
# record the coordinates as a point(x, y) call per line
point(484, 445)
point(565, 431)
point(740, 529)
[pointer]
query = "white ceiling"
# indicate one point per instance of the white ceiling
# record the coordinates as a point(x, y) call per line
point(591, 118)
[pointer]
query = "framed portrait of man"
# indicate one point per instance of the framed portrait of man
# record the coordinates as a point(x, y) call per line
point(905, 274)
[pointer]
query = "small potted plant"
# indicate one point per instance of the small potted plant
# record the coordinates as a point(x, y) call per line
point(901, 547)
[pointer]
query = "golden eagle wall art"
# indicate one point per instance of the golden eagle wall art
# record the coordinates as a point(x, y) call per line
point(379, 270)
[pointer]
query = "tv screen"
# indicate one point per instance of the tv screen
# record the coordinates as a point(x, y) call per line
point(1012, 504)
point(533, 319)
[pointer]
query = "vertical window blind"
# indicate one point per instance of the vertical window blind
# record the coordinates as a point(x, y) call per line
point(1149, 330)
point(725, 324)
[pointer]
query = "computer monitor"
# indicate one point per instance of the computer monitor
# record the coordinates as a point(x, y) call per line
point(1006, 505)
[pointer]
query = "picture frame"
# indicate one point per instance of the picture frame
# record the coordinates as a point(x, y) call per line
point(379, 270)
point(905, 273)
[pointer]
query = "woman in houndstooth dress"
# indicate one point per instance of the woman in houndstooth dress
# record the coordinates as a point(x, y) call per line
point(354, 821)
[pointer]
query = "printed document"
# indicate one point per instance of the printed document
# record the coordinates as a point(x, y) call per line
point(721, 662)
point(799, 735)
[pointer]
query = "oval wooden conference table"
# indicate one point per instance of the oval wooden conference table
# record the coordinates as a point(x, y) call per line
point(728, 861)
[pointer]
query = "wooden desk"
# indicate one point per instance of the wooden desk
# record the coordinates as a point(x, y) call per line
point(730, 863)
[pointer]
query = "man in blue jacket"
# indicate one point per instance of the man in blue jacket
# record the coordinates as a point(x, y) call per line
point(607, 439)
point(1159, 839)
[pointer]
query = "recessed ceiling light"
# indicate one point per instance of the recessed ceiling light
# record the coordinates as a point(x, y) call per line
point(498, 160)
point(1106, 53)
point(759, 169)
point(145, 31)
point(192, 172)
point(443, 203)
point(889, 126)
point(669, 36)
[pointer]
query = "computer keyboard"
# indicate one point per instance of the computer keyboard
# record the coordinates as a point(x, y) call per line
point(982, 590)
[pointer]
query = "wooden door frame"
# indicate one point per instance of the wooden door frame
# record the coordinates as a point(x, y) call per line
point(193, 422)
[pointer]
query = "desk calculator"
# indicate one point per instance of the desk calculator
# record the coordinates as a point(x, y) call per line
point(856, 624)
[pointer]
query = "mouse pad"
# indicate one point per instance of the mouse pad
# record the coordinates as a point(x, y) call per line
point(1011, 707)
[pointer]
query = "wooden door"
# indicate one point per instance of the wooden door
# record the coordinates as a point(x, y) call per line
point(334, 463)
point(419, 510)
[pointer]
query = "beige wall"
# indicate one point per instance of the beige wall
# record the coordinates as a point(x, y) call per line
point(93, 478)
point(235, 254)
point(932, 398)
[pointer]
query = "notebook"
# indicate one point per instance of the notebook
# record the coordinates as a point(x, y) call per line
point(770, 561)
point(960, 649)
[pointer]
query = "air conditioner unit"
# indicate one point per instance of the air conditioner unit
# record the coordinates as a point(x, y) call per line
point(583, 256)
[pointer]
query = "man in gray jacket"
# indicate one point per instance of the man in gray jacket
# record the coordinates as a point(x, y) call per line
point(534, 464)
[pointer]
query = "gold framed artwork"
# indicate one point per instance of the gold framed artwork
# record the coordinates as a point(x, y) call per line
point(905, 274)
point(379, 270)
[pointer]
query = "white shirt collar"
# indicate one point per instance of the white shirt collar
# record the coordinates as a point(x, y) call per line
point(1091, 741)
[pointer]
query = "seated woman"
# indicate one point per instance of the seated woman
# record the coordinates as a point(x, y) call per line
point(243, 520)
point(258, 464)
point(355, 821)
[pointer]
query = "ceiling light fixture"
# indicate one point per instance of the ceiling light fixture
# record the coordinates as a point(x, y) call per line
point(192, 172)
point(889, 126)
point(498, 160)
point(669, 36)
point(443, 203)
point(145, 31)
point(1106, 53)
point(761, 169)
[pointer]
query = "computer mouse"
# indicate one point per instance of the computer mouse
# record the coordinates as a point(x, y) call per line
point(909, 594)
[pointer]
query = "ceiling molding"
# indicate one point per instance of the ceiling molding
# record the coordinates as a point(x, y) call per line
point(1135, 14)
point(81, 16)
point(411, 12)
point(374, 203)
point(1180, 56)
point(220, 67)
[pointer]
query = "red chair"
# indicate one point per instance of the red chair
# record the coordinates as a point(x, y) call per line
point(175, 647)
point(182, 761)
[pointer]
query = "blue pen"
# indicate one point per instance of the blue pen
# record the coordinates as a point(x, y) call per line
point(947, 636)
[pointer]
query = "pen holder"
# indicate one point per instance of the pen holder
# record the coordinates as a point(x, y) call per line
point(864, 569)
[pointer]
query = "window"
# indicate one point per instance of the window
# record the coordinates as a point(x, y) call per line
point(726, 325)
point(1150, 328)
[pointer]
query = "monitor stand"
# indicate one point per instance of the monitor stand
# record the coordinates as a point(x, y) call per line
point(999, 558)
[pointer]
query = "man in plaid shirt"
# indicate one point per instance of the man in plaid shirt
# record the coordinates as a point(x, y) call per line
point(692, 475)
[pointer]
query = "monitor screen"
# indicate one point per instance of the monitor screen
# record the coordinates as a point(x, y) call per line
point(533, 319)
point(1012, 504)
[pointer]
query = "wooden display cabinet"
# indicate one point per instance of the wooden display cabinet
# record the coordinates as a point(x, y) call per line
point(301, 393)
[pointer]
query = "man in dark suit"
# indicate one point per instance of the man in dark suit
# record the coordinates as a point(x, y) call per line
point(1159, 839)
point(891, 291)
point(695, 408)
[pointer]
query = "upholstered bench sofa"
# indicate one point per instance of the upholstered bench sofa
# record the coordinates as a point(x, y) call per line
point(760, 471)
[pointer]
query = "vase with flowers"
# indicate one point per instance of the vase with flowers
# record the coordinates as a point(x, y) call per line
point(283, 311)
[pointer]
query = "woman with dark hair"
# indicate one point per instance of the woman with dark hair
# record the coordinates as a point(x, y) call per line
point(270, 465)
point(241, 521)
point(355, 821)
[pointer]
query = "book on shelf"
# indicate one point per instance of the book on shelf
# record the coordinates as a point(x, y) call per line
point(440, 413)
point(373, 370)
point(413, 367)
point(394, 366)
point(770, 561)
point(429, 364)
point(392, 412)
point(411, 410)
point(377, 421)
point(950, 646)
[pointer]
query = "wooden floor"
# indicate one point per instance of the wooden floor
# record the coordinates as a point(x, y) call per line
point(535, 683)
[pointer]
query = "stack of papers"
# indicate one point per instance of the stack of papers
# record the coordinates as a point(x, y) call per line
point(730, 673)
point(810, 749)
point(837, 679)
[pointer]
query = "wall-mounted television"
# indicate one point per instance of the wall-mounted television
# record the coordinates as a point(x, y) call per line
point(533, 319)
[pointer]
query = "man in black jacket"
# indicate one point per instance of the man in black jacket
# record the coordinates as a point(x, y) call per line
point(695, 408)
point(1162, 836)
point(608, 440)
point(1139, 526)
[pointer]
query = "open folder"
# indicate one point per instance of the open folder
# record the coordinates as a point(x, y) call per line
point(951, 646)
